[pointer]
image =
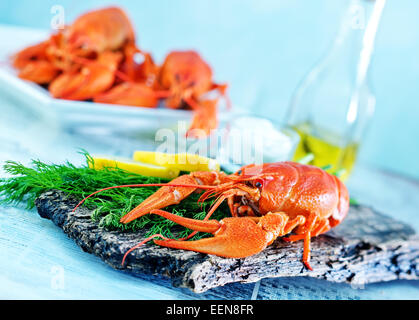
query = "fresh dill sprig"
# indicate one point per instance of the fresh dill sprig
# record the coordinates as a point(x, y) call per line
point(28, 183)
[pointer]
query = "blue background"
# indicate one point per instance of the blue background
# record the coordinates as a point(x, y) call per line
point(263, 49)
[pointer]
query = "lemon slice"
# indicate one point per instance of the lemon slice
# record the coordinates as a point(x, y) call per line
point(145, 169)
point(179, 161)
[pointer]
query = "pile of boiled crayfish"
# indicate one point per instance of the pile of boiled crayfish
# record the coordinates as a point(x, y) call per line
point(96, 58)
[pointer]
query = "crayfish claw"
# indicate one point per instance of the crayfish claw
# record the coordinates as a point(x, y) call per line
point(233, 237)
point(164, 197)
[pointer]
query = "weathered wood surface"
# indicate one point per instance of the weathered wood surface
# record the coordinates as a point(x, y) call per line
point(366, 247)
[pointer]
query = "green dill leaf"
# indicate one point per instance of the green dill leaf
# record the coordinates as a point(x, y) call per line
point(306, 159)
point(353, 202)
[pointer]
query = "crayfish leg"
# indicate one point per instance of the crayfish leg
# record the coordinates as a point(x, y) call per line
point(204, 119)
point(307, 241)
point(306, 253)
point(308, 228)
point(322, 227)
point(292, 224)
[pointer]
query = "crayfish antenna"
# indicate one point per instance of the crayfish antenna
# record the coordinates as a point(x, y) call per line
point(138, 186)
point(222, 89)
point(140, 244)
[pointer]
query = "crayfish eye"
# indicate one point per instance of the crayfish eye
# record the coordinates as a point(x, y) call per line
point(258, 184)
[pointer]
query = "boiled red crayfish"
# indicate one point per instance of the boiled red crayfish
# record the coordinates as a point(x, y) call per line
point(187, 79)
point(83, 60)
point(34, 64)
point(266, 201)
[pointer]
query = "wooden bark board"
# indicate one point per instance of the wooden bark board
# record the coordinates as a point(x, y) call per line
point(366, 247)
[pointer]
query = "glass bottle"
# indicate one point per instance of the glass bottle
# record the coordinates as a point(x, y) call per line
point(333, 105)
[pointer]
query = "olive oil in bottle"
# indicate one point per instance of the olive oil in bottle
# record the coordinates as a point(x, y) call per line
point(332, 107)
point(326, 150)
